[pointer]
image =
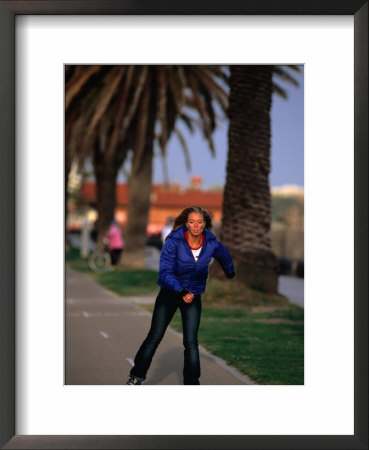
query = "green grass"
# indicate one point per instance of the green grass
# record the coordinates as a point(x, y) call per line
point(125, 282)
point(270, 351)
point(130, 282)
point(261, 335)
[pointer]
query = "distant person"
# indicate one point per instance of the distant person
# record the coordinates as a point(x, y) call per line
point(167, 228)
point(183, 273)
point(115, 242)
point(93, 233)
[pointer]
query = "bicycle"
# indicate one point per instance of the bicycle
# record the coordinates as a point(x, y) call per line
point(99, 260)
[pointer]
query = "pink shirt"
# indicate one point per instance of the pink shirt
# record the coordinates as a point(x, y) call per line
point(115, 237)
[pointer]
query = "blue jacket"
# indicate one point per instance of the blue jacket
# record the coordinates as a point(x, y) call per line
point(178, 269)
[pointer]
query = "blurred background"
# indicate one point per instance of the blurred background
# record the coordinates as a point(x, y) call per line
point(145, 142)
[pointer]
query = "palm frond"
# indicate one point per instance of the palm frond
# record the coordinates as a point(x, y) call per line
point(206, 76)
point(162, 106)
point(72, 142)
point(122, 104)
point(182, 77)
point(209, 107)
point(176, 90)
point(280, 91)
point(114, 104)
point(294, 68)
point(184, 148)
point(111, 82)
point(198, 104)
point(190, 121)
point(134, 103)
point(142, 121)
point(283, 74)
point(165, 169)
point(187, 121)
point(81, 75)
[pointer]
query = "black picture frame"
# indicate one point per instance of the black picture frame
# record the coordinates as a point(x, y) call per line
point(8, 12)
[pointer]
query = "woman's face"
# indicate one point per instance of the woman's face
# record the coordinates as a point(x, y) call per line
point(195, 223)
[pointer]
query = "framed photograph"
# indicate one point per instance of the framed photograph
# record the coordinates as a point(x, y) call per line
point(330, 39)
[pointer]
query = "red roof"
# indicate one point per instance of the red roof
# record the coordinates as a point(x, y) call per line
point(162, 196)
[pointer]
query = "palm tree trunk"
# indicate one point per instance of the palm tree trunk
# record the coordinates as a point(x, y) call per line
point(106, 177)
point(246, 205)
point(67, 168)
point(140, 185)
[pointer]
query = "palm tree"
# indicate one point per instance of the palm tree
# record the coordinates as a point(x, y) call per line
point(88, 125)
point(111, 110)
point(171, 93)
point(246, 205)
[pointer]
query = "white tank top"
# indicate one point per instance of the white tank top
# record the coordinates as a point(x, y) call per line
point(196, 253)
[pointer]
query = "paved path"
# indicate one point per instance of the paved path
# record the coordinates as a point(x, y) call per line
point(292, 288)
point(104, 331)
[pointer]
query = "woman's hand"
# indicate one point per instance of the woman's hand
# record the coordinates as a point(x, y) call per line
point(188, 297)
point(229, 275)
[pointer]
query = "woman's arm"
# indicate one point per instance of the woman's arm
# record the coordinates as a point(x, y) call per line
point(224, 258)
point(168, 263)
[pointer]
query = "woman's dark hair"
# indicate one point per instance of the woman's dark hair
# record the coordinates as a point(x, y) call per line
point(182, 218)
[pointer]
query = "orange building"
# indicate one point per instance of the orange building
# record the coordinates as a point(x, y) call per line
point(165, 202)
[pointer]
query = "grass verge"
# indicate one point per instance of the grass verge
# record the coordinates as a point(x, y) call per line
point(261, 335)
point(125, 282)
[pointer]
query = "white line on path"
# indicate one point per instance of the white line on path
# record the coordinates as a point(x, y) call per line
point(103, 334)
point(131, 361)
point(85, 314)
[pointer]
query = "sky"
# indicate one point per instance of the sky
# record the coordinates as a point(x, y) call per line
point(287, 147)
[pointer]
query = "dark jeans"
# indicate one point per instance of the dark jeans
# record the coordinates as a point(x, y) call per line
point(115, 255)
point(166, 305)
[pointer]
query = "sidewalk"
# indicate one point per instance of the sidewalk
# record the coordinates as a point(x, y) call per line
point(292, 288)
point(104, 332)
